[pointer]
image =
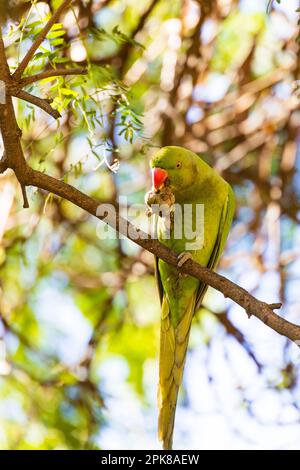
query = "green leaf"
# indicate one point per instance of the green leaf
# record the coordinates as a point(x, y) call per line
point(68, 92)
point(57, 26)
point(57, 42)
point(56, 34)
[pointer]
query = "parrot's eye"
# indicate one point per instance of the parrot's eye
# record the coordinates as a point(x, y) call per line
point(178, 165)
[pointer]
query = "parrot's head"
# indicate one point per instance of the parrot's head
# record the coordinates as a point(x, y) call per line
point(174, 166)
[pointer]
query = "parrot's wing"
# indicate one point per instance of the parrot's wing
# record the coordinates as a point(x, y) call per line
point(224, 227)
point(158, 279)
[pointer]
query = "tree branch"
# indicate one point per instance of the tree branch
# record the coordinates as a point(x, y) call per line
point(19, 72)
point(3, 164)
point(250, 304)
point(39, 102)
point(52, 73)
point(4, 69)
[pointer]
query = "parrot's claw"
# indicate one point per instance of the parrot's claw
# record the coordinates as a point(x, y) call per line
point(183, 257)
point(148, 212)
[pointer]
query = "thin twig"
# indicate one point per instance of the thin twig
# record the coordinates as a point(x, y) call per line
point(25, 199)
point(40, 102)
point(52, 73)
point(22, 66)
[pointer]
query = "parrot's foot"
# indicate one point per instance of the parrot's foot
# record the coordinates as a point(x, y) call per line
point(148, 212)
point(183, 257)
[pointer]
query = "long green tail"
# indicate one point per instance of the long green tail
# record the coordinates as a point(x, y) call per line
point(173, 348)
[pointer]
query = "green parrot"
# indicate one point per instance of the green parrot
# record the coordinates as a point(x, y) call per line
point(191, 181)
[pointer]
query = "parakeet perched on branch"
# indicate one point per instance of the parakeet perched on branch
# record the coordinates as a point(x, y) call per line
point(180, 175)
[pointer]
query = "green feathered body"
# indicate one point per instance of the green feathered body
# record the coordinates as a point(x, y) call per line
point(193, 182)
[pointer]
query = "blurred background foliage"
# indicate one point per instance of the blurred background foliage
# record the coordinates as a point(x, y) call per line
point(80, 314)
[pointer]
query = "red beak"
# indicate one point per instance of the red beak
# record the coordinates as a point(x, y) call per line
point(159, 176)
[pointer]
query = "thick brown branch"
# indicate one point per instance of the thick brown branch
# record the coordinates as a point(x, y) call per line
point(19, 72)
point(3, 164)
point(252, 306)
point(52, 73)
point(41, 103)
point(4, 69)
